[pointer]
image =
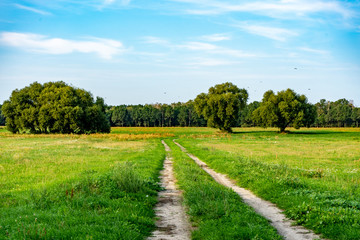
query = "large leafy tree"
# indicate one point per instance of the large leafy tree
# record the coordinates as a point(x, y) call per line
point(221, 106)
point(284, 109)
point(54, 107)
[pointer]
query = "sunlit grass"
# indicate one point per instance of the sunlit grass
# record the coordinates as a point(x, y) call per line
point(70, 186)
point(314, 174)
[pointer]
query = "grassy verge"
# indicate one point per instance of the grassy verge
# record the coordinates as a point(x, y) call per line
point(318, 186)
point(216, 212)
point(64, 188)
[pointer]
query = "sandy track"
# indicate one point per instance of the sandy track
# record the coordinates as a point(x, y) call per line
point(266, 209)
point(173, 223)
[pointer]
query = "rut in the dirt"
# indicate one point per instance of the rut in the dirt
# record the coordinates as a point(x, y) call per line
point(268, 210)
point(172, 221)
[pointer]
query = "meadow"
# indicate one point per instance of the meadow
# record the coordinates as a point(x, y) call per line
point(313, 174)
point(56, 186)
point(78, 187)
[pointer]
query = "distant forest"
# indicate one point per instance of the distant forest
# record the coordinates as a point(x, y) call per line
point(341, 113)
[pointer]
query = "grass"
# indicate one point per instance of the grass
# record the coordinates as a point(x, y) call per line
point(216, 211)
point(105, 185)
point(313, 174)
point(62, 187)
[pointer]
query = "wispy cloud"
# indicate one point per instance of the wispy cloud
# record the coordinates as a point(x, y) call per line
point(198, 46)
point(216, 37)
point(105, 48)
point(214, 49)
point(278, 34)
point(316, 51)
point(155, 40)
point(272, 8)
point(209, 62)
point(32, 9)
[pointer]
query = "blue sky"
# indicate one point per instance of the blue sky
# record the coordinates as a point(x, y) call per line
point(143, 51)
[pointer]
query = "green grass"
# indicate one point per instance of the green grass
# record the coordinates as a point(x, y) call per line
point(313, 174)
point(216, 211)
point(71, 187)
point(105, 185)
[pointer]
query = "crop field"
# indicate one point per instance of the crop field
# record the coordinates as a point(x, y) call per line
point(100, 186)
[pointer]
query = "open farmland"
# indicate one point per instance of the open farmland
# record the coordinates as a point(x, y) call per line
point(105, 185)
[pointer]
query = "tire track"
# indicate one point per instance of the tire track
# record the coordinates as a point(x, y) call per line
point(266, 209)
point(172, 221)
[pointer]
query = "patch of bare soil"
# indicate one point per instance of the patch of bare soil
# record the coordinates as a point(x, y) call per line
point(284, 226)
point(172, 220)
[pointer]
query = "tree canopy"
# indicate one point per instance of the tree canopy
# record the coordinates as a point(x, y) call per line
point(283, 109)
point(54, 107)
point(2, 117)
point(221, 106)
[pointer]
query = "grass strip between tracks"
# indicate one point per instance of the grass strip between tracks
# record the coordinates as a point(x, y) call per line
point(216, 212)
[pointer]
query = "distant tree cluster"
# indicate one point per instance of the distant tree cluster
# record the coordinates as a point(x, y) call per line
point(54, 107)
point(341, 113)
point(155, 115)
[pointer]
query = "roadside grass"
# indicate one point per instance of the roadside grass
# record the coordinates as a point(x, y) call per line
point(314, 174)
point(216, 212)
point(78, 188)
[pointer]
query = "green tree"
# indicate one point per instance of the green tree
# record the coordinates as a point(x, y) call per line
point(322, 111)
point(120, 116)
point(221, 106)
point(54, 107)
point(284, 109)
point(355, 116)
point(246, 117)
point(2, 117)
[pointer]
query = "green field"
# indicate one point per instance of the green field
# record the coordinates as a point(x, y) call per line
point(313, 174)
point(91, 186)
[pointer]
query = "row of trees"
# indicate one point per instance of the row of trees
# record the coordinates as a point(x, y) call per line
point(58, 107)
point(155, 115)
point(340, 113)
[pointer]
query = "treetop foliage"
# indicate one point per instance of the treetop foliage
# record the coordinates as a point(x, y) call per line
point(221, 106)
point(54, 107)
point(283, 109)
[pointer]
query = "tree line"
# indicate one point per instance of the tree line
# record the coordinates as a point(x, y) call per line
point(57, 107)
point(155, 115)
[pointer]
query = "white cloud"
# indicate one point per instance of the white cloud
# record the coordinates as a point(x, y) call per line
point(122, 2)
point(155, 40)
point(278, 34)
point(209, 62)
point(105, 48)
point(216, 37)
point(31, 9)
point(198, 46)
point(290, 8)
point(316, 51)
point(109, 1)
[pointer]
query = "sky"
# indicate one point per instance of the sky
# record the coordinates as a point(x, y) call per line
point(165, 51)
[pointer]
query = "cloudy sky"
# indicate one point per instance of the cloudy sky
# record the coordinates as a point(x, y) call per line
point(147, 51)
